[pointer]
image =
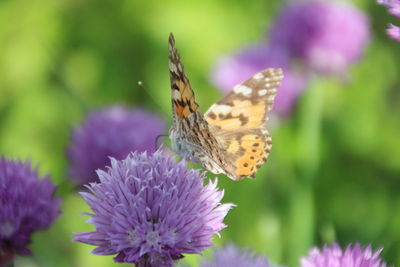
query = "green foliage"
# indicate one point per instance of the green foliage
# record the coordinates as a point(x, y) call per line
point(334, 172)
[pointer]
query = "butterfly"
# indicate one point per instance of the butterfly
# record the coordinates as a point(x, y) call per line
point(231, 137)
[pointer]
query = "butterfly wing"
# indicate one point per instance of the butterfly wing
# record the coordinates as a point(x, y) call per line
point(238, 123)
point(231, 138)
point(190, 135)
point(183, 99)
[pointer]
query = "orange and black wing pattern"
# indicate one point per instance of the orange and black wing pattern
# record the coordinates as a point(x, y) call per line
point(183, 99)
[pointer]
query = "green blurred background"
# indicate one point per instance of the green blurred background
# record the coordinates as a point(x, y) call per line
point(334, 171)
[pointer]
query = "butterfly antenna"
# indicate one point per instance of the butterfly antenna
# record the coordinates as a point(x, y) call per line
point(155, 99)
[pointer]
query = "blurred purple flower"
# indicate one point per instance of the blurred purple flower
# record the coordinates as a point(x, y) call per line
point(233, 70)
point(394, 9)
point(394, 32)
point(27, 204)
point(327, 36)
point(334, 256)
point(392, 5)
point(232, 256)
point(151, 209)
point(110, 132)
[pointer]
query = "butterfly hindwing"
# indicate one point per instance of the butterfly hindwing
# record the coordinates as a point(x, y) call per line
point(244, 151)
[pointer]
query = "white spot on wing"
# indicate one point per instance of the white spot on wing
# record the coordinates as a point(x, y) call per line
point(262, 92)
point(172, 67)
point(271, 98)
point(176, 94)
point(224, 109)
point(258, 76)
point(242, 89)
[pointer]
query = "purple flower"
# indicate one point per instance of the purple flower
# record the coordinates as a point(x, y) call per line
point(233, 70)
point(27, 204)
point(110, 132)
point(392, 5)
point(151, 209)
point(352, 256)
point(394, 9)
point(326, 36)
point(394, 32)
point(232, 256)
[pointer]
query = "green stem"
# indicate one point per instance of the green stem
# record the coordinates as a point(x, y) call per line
point(301, 223)
point(310, 132)
point(301, 211)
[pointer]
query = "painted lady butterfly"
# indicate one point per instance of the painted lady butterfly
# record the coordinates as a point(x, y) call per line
point(231, 137)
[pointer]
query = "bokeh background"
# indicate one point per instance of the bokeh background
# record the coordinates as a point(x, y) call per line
point(334, 171)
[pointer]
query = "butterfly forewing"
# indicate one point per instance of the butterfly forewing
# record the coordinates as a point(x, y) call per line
point(190, 135)
point(183, 100)
point(246, 106)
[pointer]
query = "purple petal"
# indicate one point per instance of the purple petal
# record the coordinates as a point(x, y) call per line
point(27, 204)
point(394, 32)
point(151, 209)
point(110, 132)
